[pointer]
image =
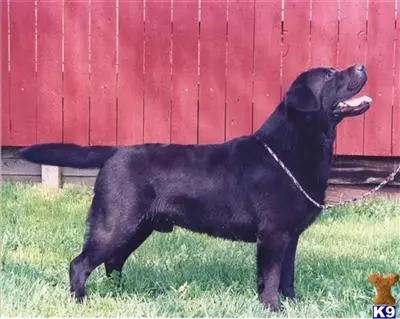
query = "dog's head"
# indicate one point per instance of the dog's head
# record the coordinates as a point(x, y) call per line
point(386, 280)
point(330, 92)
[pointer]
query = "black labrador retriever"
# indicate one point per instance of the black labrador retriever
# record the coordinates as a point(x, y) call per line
point(234, 190)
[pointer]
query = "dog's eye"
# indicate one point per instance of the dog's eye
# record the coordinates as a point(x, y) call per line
point(329, 75)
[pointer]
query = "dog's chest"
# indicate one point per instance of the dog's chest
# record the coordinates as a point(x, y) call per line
point(236, 231)
point(307, 219)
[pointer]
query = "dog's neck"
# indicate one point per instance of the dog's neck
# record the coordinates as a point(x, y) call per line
point(306, 150)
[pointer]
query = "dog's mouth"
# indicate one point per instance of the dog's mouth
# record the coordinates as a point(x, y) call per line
point(353, 106)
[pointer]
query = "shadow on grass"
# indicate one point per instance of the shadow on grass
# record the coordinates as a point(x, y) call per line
point(203, 276)
point(317, 277)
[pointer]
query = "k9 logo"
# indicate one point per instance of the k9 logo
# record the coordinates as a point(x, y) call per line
point(383, 311)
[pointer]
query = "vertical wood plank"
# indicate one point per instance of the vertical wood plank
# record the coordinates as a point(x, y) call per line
point(352, 50)
point(296, 42)
point(396, 105)
point(184, 72)
point(103, 86)
point(324, 32)
point(23, 74)
point(267, 59)
point(378, 120)
point(130, 73)
point(157, 79)
point(239, 92)
point(212, 71)
point(49, 72)
point(5, 77)
point(76, 72)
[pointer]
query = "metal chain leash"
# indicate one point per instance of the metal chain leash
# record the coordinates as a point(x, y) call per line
point(355, 199)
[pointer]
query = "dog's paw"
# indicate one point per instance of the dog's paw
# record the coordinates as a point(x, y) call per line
point(273, 307)
point(288, 292)
point(271, 303)
point(78, 297)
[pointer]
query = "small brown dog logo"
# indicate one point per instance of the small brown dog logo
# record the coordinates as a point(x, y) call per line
point(383, 285)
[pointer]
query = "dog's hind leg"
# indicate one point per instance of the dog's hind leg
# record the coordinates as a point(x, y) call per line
point(97, 250)
point(286, 282)
point(118, 258)
point(105, 237)
point(79, 271)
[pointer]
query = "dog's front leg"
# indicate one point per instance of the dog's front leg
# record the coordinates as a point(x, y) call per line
point(271, 249)
point(286, 284)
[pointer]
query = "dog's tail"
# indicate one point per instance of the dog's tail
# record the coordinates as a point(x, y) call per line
point(68, 155)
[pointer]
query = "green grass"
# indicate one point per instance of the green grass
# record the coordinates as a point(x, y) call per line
point(186, 274)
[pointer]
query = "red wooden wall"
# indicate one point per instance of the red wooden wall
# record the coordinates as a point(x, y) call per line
point(187, 71)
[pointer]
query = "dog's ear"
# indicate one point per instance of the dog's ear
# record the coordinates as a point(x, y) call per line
point(374, 278)
point(302, 99)
point(393, 277)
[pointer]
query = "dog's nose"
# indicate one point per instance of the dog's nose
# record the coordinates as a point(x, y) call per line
point(359, 67)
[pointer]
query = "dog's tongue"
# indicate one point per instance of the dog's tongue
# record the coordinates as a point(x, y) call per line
point(355, 101)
